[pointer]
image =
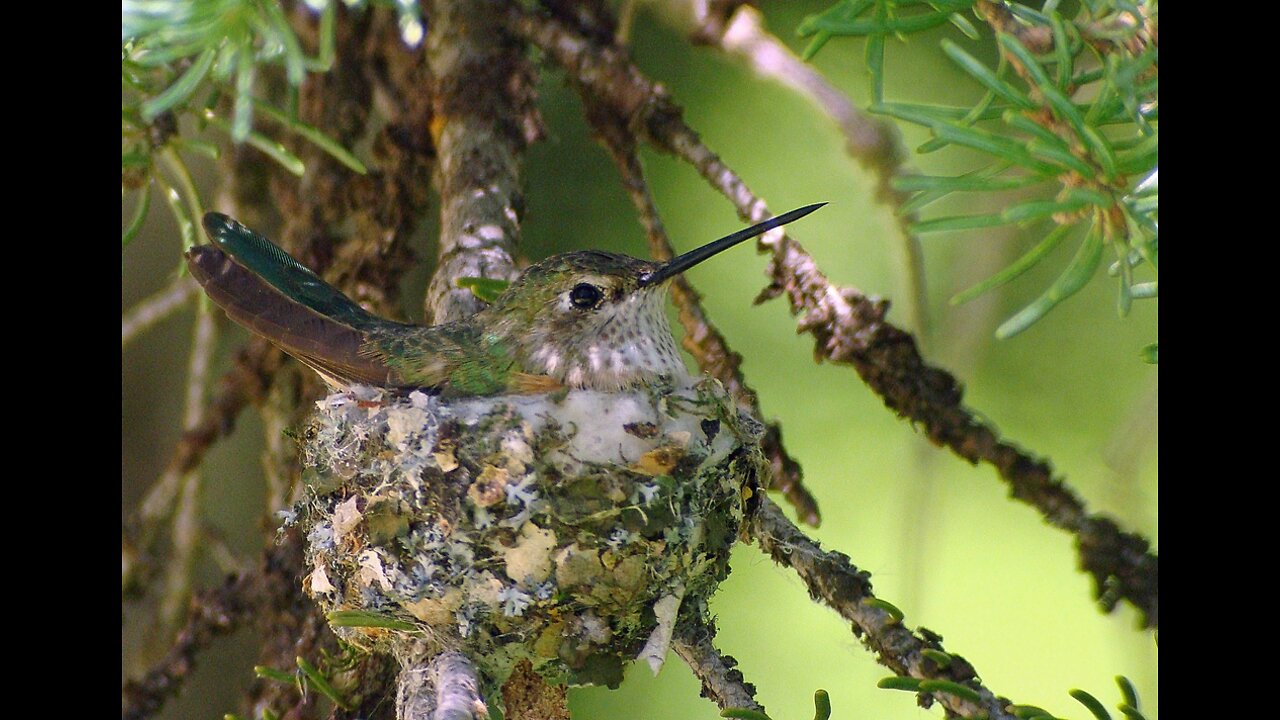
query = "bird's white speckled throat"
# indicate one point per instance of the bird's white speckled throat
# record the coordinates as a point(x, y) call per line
point(620, 345)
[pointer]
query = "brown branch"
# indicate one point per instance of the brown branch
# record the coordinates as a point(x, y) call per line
point(849, 327)
point(722, 681)
point(484, 118)
point(834, 580)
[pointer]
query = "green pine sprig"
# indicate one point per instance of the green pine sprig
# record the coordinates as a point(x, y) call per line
point(189, 73)
point(1069, 121)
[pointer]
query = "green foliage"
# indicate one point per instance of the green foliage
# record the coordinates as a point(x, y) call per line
point(1091, 703)
point(899, 682)
point(1066, 130)
point(316, 679)
point(485, 289)
point(964, 692)
point(365, 618)
point(1128, 705)
point(895, 615)
point(189, 73)
point(1029, 712)
point(311, 676)
point(938, 657)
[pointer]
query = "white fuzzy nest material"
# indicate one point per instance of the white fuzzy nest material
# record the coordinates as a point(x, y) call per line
point(542, 527)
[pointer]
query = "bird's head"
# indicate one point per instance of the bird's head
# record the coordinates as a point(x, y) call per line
point(593, 319)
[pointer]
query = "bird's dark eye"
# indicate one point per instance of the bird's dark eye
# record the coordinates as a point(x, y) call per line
point(585, 296)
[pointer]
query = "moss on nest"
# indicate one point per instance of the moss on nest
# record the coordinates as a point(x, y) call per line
point(564, 529)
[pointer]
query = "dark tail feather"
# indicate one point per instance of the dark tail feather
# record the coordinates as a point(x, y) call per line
point(275, 267)
point(328, 343)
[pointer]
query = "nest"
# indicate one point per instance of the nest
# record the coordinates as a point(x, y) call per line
point(571, 530)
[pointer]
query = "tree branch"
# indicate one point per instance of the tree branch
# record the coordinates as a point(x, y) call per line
point(722, 681)
point(834, 580)
point(484, 118)
point(849, 327)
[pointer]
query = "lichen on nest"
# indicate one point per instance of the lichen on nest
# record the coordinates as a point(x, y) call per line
point(568, 529)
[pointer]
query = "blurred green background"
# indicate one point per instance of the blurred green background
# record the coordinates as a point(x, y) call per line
point(940, 538)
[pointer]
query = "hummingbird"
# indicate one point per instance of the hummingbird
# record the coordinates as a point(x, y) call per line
point(583, 319)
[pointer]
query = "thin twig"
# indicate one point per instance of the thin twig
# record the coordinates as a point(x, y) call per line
point(181, 560)
point(214, 543)
point(484, 118)
point(722, 681)
point(834, 580)
point(849, 327)
point(155, 308)
point(202, 346)
point(186, 521)
point(245, 382)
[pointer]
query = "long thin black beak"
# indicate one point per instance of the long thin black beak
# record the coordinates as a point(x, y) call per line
point(683, 262)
